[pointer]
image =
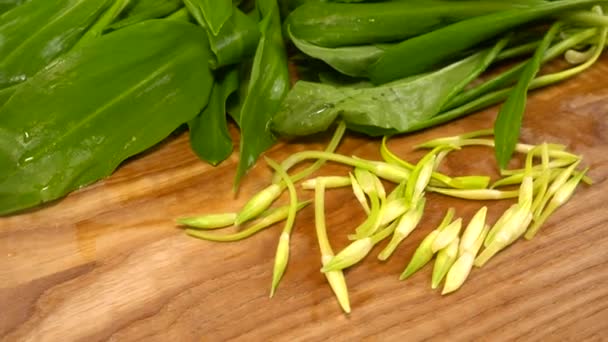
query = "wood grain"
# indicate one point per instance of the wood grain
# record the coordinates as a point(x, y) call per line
point(108, 263)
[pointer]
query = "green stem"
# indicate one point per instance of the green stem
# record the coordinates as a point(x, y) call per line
point(511, 75)
point(587, 18)
point(518, 51)
point(273, 216)
point(331, 147)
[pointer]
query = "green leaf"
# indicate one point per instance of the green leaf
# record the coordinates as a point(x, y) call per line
point(104, 21)
point(7, 5)
point(78, 119)
point(146, 9)
point(210, 13)
point(236, 40)
point(427, 51)
point(209, 136)
point(350, 60)
point(331, 24)
point(508, 121)
point(37, 32)
point(268, 86)
point(392, 108)
point(6, 94)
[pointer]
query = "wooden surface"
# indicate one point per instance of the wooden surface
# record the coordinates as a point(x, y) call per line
point(107, 262)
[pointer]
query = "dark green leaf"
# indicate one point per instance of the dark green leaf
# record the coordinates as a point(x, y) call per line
point(268, 86)
point(508, 121)
point(429, 50)
point(391, 108)
point(236, 40)
point(6, 94)
point(77, 120)
point(37, 32)
point(210, 13)
point(234, 106)
point(7, 5)
point(331, 24)
point(209, 136)
point(350, 60)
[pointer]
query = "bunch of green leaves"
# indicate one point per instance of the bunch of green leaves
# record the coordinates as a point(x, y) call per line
point(86, 84)
point(56, 137)
point(438, 67)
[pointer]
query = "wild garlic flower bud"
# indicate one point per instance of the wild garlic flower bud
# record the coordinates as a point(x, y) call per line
point(212, 221)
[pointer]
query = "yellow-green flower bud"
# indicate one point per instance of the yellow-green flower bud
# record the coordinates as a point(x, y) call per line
point(504, 218)
point(366, 181)
point(398, 192)
point(390, 172)
point(462, 266)
point(392, 210)
point(447, 235)
point(444, 261)
point(526, 190)
point(350, 255)
point(562, 195)
point(423, 179)
point(447, 218)
point(513, 228)
point(258, 203)
point(359, 194)
point(212, 221)
point(476, 194)
point(408, 222)
point(422, 173)
point(458, 273)
point(470, 182)
point(557, 183)
point(337, 282)
point(421, 257)
point(473, 230)
point(379, 188)
point(372, 223)
point(280, 261)
point(268, 218)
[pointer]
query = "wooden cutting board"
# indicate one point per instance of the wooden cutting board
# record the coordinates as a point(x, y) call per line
point(108, 263)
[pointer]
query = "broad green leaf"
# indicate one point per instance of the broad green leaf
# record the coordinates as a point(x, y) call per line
point(6, 93)
point(427, 51)
point(209, 136)
point(331, 24)
point(350, 60)
point(7, 5)
point(210, 13)
point(508, 121)
point(312, 107)
point(146, 80)
point(37, 32)
point(142, 10)
point(268, 86)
